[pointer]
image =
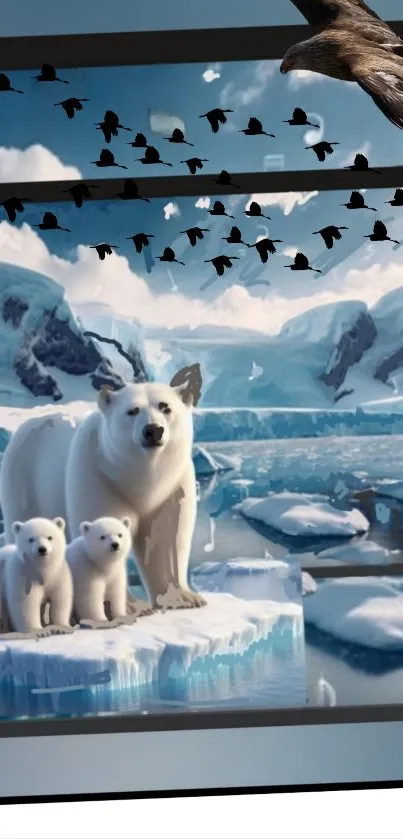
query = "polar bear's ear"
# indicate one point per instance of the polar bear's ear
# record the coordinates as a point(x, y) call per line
point(127, 522)
point(188, 383)
point(105, 397)
point(16, 527)
point(60, 523)
point(84, 527)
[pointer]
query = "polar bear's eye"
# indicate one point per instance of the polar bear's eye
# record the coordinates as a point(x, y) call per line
point(102, 537)
point(133, 412)
point(50, 538)
point(120, 536)
point(164, 408)
point(31, 539)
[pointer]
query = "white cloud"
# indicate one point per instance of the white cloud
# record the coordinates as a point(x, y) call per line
point(129, 295)
point(364, 149)
point(302, 78)
point(203, 203)
point(286, 200)
point(290, 251)
point(35, 163)
point(249, 86)
point(171, 210)
point(212, 73)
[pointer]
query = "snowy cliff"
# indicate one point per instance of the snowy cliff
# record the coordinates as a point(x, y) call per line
point(43, 350)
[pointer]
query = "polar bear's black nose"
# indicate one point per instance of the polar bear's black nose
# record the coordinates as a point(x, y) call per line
point(115, 546)
point(152, 434)
point(42, 550)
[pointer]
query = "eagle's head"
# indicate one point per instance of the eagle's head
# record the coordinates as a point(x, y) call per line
point(295, 59)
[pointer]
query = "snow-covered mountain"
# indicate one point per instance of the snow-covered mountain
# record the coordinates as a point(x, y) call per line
point(340, 353)
point(43, 351)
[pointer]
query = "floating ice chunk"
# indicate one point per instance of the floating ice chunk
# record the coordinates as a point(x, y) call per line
point(309, 585)
point(207, 464)
point(363, 552)
point(251, 579)
point(303, 515)
point(144, 652)
point(367, 612)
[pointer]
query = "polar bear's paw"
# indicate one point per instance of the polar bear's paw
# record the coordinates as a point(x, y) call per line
point(180, 598)
point(137, 608)
point(89, 623)
point(58, 629)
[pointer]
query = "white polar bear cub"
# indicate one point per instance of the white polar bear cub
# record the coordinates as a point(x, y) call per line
point(98, 563)
point(35, 571)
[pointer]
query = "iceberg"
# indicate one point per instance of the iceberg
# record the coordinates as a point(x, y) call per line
point(303, 515)
point(363, 552)
point(251, 579)
point(206, 464)
point(155, 649)
point(367, 612)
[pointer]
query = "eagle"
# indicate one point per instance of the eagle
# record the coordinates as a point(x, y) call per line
point(352, 43)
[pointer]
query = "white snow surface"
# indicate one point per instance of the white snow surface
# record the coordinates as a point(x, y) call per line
point(367, 612)
point(303, 515)
point(251, 579)
point(362, 552)
point(156, 647)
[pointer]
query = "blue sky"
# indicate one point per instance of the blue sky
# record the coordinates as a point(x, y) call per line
point(41, 17)
point(39, 143)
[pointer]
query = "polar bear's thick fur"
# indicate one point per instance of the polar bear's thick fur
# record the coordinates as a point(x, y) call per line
point(132, 457)
point(35, 572)
point(98, 563)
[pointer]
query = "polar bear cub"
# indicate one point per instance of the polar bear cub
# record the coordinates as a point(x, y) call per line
point(98, 563)
point(35, 572)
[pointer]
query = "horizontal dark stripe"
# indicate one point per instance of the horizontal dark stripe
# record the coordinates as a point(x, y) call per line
point(47, 192)
point(195, 720)
point(174, 46)
point(395, 569)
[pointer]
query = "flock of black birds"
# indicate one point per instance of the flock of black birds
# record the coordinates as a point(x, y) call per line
point(110, 127)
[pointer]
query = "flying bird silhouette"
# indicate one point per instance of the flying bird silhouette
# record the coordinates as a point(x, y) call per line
point(50, 222)
point(139, 142)
point(48, 74)
point(103, 249)
point(255, 211)
point(235, 237)
point(218, 209)
point(217, 117)
point(178, 136)
point(5, 85)
point(151, 155)
point(264, 247)
point(141, 240)
point(168, 255)
point(224, 179)
point(361, 165)
point(329, 234)
point(380, 234)
point(301, 263)
point(254, 128)
point(70, 106)
point(322, 149)
point(131, 192)
point(397, 200)
point(221, 263)
point(195, 233)
point(299, 117)
point(13, 206)
point(194, 163)
point(352, 43)
point(110, 126)
point(80, 192)
point(107, 158)
point(357, 202)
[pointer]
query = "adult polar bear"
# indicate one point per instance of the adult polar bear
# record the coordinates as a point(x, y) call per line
point(131, 457)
